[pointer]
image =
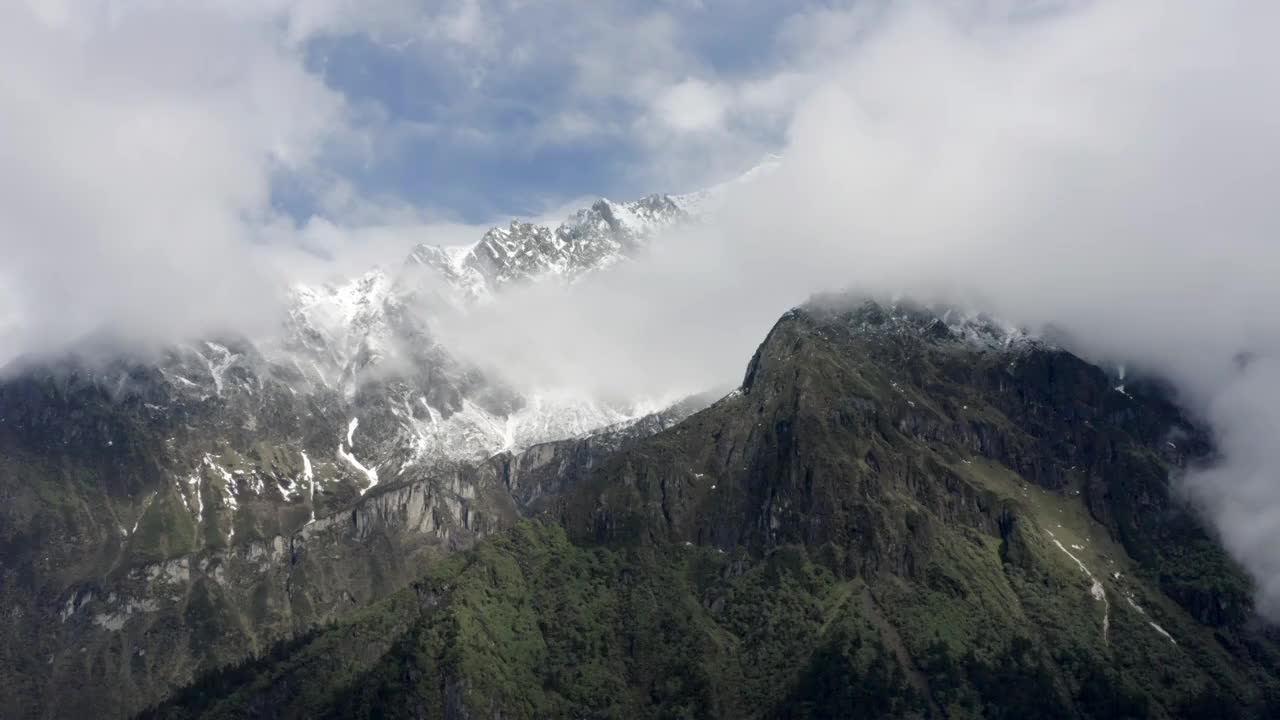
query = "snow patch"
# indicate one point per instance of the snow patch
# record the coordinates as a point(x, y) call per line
point(1095, 588)
point(186, 505)
point(1128, 597)
point(74, 603)
point(474, 433)
point(1120, 388)
point(370, 474)
point(115, 621)
point(218, 367)
point(228, 494)
point(1097, 591)
point(311, 481)
point(1162, 631)
point(195, 482)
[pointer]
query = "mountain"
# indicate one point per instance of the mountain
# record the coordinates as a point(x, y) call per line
point(167, 511)
point(591, 239)
point(900, 513)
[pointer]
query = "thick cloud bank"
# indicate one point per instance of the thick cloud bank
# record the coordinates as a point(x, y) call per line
point(1109, 168)
point(141, 145)
point(133, 164)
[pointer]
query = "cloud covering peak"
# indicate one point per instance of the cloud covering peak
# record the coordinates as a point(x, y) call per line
point(1106, 168)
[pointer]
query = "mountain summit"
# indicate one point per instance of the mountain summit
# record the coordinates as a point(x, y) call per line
point(591, 239)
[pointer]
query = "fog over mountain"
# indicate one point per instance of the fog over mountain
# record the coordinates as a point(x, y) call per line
point(1106, 171)
point(1104, 168)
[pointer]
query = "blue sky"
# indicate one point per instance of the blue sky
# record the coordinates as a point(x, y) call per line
point(180, 141)
point(177, 142)
point(526, 106)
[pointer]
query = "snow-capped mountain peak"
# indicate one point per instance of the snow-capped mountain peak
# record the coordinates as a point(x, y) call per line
point(340, 337)
point(590, 239)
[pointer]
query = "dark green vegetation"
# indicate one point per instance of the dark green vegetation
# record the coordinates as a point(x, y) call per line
point(894, 517)
point(537, 626)
point(154, 528)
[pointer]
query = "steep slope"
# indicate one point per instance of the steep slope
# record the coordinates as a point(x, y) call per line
point(898, 514)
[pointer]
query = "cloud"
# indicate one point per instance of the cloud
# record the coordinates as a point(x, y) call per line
point(691, 106)
point(651, 93)
point(139, 146)
point(1106, 167)
point(144, 149)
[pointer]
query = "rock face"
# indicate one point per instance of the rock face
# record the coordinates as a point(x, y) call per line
point(900, 513)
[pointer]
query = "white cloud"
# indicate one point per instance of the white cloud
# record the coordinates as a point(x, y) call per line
point(1107, 167)
point(54, 13)
point(691, 106)
point(139, 147)
point(141, 143)
point(467, 25)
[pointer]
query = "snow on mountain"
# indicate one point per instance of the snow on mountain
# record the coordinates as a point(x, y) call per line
point(590, 239)
point(463, 280)
point(977, 330)
point(982, 330)
point(330, 326)
point(369, 338)
point(355, 392)
point(473, 433)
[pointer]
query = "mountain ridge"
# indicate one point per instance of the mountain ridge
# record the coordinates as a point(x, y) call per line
point(172, 511)
point(145, 490)
point(887, 520)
